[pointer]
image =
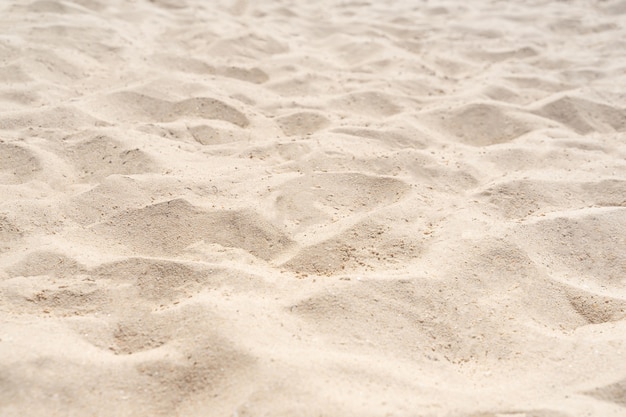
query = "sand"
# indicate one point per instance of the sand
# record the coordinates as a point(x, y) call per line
point(333, 208)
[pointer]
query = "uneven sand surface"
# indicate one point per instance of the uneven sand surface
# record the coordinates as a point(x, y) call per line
point(333, 208)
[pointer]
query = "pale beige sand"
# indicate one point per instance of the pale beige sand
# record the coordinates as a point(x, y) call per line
point(290, 208)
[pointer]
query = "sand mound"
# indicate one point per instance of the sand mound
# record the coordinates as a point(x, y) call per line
point(482, 124)
point(132, 106)
point(169, 227)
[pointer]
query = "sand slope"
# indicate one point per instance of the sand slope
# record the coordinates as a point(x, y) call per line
point(326, 208)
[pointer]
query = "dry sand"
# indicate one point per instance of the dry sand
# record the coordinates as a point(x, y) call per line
point(290, 208)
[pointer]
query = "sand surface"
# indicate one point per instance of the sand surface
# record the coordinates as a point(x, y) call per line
point(331, 208)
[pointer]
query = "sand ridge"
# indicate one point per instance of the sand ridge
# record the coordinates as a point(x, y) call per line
point(328, 208)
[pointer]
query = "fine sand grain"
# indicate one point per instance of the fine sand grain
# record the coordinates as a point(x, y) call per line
point(332, 208)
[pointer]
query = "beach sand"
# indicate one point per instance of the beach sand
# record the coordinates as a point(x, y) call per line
point(333, 208)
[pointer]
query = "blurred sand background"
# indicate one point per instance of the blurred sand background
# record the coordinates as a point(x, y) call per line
point(332, 208)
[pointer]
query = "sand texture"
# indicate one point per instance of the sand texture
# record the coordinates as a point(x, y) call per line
point(331, 208)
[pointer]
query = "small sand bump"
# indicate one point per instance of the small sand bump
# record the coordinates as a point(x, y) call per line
point(483, 124)
point(17, 164)
point(171, 226)
point(302, 123)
